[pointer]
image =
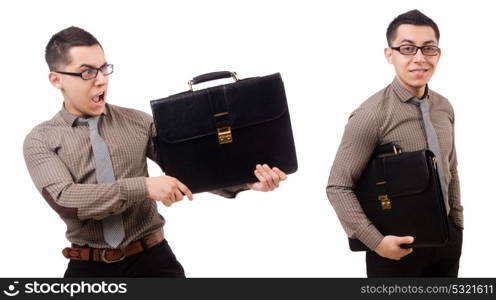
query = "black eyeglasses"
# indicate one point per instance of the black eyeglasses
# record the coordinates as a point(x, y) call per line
point(91, 73)
point(412, 50)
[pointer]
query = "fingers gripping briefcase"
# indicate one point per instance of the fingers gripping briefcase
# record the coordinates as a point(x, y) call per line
point(213, 138)
point(401, 195)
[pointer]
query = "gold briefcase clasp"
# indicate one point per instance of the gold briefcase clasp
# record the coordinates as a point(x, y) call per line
point(385, 202)
point(225, 135)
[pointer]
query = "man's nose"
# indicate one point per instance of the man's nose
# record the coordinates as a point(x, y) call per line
point(100, 79)
point(419, 56)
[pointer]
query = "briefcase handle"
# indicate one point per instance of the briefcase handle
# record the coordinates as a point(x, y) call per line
point(211, 76)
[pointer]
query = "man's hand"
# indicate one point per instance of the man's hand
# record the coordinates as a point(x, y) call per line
point(268, 179)
point(167, 189)
point(390, 248)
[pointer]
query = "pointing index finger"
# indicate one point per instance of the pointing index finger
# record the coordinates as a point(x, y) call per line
point(185, 190)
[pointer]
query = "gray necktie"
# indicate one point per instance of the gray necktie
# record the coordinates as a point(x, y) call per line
point(113, 227)
point(433, 143)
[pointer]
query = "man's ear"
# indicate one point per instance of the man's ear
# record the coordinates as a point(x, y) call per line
point(54, 79)
point(388, 53)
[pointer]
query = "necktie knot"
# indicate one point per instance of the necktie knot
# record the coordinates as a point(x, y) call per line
point(422, 103)
point(92, 122)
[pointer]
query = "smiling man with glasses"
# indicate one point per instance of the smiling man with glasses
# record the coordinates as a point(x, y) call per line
point(89, 163)
point(410, 115)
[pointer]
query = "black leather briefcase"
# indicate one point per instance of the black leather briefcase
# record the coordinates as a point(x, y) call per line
point(400, 193)
point(213, 138)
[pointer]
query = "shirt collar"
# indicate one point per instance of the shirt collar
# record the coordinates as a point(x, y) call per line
point(405, 95)
point(71, 119)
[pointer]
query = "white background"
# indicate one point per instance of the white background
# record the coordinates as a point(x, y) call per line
point(330, 55)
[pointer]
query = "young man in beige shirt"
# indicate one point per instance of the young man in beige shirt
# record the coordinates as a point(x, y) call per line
point(63, 157)
point(390, 116)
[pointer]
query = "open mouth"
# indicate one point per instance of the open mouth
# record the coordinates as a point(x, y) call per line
point(100, 97)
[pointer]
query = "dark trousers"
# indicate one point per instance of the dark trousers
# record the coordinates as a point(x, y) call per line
point(157, 261)
point(422, 262)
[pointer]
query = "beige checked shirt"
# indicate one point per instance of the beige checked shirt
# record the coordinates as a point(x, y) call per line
point(388, 117)
point(60, 160)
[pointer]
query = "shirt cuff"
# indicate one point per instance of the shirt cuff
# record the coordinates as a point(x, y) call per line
point(370, 236)
point(133, 189)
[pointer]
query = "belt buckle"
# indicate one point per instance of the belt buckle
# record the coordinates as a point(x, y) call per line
point(112, 261)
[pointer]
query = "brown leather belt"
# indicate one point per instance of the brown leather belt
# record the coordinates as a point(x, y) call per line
point(113, 255)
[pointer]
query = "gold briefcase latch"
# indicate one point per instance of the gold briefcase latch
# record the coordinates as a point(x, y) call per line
point(225, 135)
point(385, 202)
